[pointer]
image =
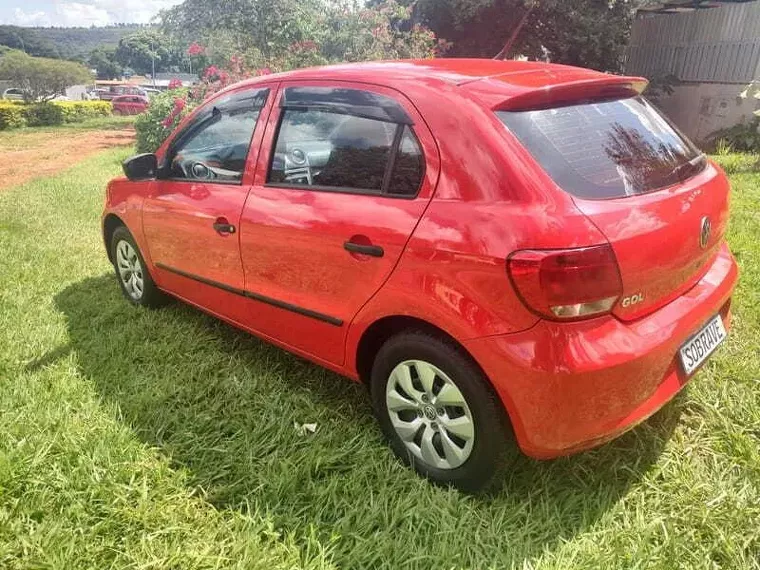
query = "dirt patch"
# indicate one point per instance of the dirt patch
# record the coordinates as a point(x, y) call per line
point(31, 155)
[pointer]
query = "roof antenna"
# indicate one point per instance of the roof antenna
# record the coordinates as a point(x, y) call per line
point(520, 25)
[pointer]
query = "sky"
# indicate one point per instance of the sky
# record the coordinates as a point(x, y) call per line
point(80, 13)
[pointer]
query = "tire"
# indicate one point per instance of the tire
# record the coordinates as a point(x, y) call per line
point(471, 464)
point(131, 271)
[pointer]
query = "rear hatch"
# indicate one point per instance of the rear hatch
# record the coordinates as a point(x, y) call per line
point(661, 204)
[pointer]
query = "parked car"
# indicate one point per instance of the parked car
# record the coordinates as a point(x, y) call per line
point(108, 94)
point(129, 105)
point(13, 94)
point(500, 250)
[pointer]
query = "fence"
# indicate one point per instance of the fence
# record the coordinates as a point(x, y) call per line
point(715, 45)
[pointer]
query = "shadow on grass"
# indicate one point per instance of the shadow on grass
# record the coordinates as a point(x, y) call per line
point(225, 406)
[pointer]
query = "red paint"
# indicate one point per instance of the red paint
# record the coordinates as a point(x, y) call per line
point(129, 104)
point(565, 385)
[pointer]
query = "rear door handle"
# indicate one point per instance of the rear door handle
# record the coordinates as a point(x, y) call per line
point(224, 228)
point(371, 250)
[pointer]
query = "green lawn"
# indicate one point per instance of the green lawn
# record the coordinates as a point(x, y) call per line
point(14, 138)
point(138, 439)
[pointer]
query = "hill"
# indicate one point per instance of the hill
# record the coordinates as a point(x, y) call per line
point(65, 43)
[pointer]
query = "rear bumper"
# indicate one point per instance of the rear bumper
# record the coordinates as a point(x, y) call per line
point(571, 386)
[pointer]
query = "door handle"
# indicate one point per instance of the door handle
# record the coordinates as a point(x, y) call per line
point(371, 250)
point(224, 228)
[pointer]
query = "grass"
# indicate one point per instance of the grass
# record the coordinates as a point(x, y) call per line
point(138, 439)
point(15, 138)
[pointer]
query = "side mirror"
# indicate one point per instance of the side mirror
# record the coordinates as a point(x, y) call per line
point(141, 167)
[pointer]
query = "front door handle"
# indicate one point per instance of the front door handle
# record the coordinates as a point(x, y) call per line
point(224, 228)
point(371, 250)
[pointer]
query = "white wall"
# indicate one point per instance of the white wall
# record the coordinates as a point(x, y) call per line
point(700, 109)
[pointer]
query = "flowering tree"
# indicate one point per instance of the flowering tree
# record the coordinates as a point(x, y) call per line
point(316, 33)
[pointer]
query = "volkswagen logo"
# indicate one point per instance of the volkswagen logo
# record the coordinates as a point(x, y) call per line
point(704, 233)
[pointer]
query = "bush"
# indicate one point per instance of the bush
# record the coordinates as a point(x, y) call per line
point(158, 122)
point(11, 116)
point(78, 111)
point(16, 114)
point(744, 137)
point(43, 114)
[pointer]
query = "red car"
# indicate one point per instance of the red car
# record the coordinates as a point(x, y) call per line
point(129, 104)
point(499, 250)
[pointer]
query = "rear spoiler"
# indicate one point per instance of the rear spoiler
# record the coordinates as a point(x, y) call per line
point(575, 92)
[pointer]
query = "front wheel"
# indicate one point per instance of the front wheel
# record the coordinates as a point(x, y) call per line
point(439, 413)
point(135, 280)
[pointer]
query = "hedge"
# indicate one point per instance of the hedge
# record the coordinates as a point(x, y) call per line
point(14, 115)
point(11, 116)
point(78, 111)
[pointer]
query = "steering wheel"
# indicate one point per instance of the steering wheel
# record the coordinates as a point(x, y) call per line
point(193, 169)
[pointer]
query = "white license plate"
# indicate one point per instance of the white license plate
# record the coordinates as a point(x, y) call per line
point(696, 350)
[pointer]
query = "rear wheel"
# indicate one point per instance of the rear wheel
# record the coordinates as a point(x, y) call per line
point(135, 281)
point(439, 413)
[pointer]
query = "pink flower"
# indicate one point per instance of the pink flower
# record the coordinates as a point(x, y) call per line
point(195, 49)
point(211, 71)
point(175, 83)
point(264, 71)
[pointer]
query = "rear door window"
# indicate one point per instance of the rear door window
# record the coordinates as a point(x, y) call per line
point(606, 149)
point(346, 140)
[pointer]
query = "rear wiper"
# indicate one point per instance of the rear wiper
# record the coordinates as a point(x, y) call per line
point(687, 169)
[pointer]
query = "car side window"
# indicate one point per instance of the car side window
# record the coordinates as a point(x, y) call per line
point(409, 166)
point(345, 140)
point(215, 146)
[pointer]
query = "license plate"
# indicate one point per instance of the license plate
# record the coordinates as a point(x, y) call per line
point(696, 350)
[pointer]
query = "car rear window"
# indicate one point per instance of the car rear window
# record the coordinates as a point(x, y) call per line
point(606, 149)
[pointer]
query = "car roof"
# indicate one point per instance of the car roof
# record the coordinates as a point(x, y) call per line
point(457, 71)
point(492, 80)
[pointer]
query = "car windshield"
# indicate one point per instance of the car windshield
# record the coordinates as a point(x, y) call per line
point(606, 149)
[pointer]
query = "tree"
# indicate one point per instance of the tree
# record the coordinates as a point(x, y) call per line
point(589, 33)
point(103, 60)
point(268, 26)
point(27, 40)
point(41, 78)
point(282, 34)
point(141, 49)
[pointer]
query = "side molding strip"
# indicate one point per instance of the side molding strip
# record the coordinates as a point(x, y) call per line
point(255, 296)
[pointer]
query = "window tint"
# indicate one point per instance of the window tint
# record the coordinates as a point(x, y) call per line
point(607, 149)
point(408, 167)
point(323, 148)
point(215, 147)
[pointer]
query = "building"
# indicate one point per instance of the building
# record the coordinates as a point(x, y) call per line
point(712, 48)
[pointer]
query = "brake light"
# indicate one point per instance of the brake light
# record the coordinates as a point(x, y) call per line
point(567, 284)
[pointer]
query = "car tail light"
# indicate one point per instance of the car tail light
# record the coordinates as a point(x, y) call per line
point(567, 284)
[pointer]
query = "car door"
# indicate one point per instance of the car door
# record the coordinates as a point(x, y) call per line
point(192, 213)
point(345, 173)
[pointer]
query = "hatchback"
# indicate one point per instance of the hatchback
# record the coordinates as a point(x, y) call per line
point(129, 104)
point(503, 252)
